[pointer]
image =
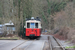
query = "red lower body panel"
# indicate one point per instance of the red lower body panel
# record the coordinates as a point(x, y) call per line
point(33, 32)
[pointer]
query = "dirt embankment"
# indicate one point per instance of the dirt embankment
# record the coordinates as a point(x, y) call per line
point(65, 33)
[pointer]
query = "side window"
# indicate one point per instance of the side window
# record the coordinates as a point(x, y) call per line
point(36, 25)
point(28, 25)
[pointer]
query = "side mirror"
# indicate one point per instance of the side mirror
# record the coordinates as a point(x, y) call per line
point(24, 26)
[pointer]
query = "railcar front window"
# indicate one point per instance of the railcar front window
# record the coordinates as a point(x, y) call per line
point(36, 25)
point(28, 25)
point(32, 25)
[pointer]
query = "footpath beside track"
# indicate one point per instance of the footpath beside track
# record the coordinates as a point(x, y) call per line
point(55, 44)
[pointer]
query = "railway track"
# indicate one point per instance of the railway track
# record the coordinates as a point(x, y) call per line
point(19, 48)
point(30, 45)
point(50, 43)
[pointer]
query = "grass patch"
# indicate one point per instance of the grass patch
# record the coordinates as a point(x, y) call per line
point(70, 47)
point(11, 38)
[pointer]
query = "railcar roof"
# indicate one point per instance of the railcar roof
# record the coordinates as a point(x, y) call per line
point(32, 21)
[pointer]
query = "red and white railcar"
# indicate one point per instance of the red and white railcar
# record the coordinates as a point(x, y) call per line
point(33, 27)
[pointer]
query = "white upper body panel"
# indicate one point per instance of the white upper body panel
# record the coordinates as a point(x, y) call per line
point(33, 24)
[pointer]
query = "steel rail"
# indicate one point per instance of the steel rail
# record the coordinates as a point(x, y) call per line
point(29, 44)
point(50, 44)
point(42, 46)
point(18, 45)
